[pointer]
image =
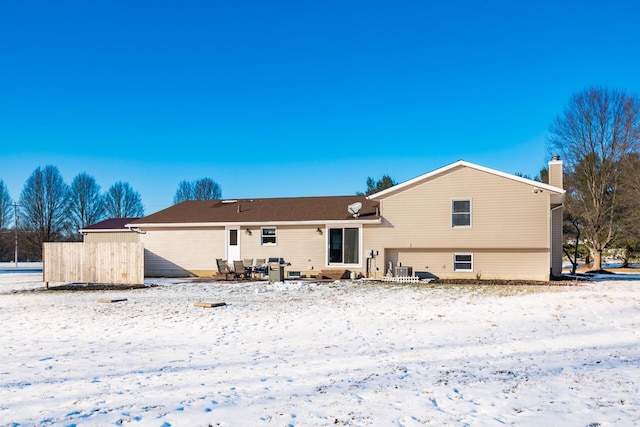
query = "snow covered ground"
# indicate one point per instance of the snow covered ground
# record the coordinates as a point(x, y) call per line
point(305, 354)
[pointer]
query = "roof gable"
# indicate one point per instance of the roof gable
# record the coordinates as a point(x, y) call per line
point(454, 166)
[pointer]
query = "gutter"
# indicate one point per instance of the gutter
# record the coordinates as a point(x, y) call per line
point(254, 223)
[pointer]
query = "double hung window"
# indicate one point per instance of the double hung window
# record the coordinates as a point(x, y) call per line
point(461, 213)
point(268, 236)
point(463, 262)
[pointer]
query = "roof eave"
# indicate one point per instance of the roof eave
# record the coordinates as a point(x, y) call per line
point(104, 230)
point(253, 224)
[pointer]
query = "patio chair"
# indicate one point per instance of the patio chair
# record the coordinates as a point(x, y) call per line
point(259, 266)
point(223, 268)
point(239, 270)
point(249, 268)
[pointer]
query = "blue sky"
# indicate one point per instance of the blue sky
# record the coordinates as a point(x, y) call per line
point(295, 98)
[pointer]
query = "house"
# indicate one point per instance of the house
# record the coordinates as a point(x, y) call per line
point(460, 221)
point(467, 221)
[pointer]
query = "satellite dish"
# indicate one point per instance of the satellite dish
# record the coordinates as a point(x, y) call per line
point(354, 208)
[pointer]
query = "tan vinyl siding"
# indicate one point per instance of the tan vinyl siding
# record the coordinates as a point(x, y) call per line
point(299, 245)
point(112, 237)
point(183, 252)
point(505, 213)
point(192, 252)
point(508, 264)
point(508, 218)
point(556, 177)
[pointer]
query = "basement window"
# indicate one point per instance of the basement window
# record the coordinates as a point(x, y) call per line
point(462, 262)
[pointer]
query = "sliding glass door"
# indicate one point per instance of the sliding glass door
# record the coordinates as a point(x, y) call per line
point(344, 246)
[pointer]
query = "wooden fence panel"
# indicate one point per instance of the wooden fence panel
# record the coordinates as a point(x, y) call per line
point(103, 262)
point(62, 262)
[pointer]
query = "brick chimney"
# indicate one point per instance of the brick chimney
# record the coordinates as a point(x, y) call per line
point(555, 172)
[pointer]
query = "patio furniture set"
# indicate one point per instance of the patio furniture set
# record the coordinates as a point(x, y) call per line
point(256, 268)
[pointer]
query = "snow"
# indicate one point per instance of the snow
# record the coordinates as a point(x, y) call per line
point(310, 354)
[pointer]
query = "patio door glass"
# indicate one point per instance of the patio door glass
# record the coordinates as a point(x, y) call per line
point(335, 245)
point(344, 245)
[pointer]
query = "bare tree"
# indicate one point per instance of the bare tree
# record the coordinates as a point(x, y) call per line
point(598, 128)
point(627, 239)
point(202, 189)
point(183, 193)
point(6, 214)
point(630, 194)
point(206, 189)
point(571, 247)
point(86, 204)
point(43, 204)
point(6, 206)
point(121, 201)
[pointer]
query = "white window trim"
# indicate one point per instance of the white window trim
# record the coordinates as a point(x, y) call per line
point(360, 244)
point(463, 199)
point(262, 236)
point(455, 255)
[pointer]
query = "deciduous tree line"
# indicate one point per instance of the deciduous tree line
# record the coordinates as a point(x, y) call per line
point(50, 210)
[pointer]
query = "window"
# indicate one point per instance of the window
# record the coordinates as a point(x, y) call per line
point(233, 237)
point(344, 245)
point(268, 236)
point(461, 213)
point(463, 262)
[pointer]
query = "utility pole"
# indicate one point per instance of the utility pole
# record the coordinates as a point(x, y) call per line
point(15, 216)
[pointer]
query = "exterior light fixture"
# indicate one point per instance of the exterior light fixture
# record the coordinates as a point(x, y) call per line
point(318, 231)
